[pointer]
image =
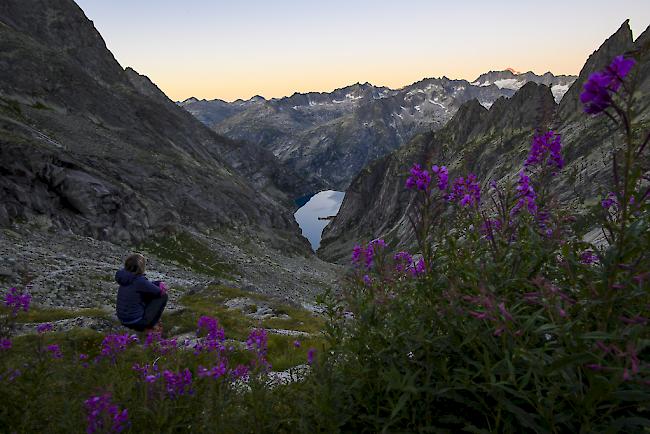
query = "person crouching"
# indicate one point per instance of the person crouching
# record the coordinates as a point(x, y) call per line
point(140, 303)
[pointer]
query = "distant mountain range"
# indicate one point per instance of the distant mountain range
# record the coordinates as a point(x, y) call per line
point(333, 135)
point(493, 143)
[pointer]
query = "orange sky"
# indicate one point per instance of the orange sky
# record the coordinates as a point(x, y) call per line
point(219, 49)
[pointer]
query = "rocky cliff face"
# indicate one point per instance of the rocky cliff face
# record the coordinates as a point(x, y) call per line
point(103, 152)
point(333, 135)
point(491, 143)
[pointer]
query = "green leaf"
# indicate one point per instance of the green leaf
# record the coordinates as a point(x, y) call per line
point(631, 395)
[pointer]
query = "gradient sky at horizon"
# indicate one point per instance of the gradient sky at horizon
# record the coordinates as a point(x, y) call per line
point(237, 49)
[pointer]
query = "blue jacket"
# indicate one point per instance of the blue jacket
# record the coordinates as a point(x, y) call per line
point(134, 291)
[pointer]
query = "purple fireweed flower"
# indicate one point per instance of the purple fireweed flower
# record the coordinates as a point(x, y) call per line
point(149, 372)
point(178, 383)
point(599, 88)
point(11, 375)
point(83, 360)
point(403, 261)
point(526, 196)
point(419, 178)
point(466, 191)
point(588, 257)
point(55, 351)
point(546, 150)
point(17, 301)
point(419, 268)
point(44, 328)
point(241, 371)
point(114, 344)
point(215, 336)
point(368, 253)
point(211, 325)
point(504, 311)
point(357, 251)
point(367, 280)
point(443, 176)
point(104, 415)
point(619, 69)
point(638, 319)
point(311, 356)
point(609, 201)
point(215, 372)
point(257, 343)
point(5, 344)
point(489, 227)
point(595, 367)
point(296, 344)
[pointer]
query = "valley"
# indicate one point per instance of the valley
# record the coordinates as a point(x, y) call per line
point(328, 255)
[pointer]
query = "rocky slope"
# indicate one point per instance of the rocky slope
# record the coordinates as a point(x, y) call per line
point(334, 135)
point(96, 162)
point(493, 144)
point(103, 152)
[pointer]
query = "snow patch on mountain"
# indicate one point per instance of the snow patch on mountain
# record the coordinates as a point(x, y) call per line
point(559, 90)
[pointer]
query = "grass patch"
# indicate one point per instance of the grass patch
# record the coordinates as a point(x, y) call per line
point(236, 324)
point(189, 252)
point(12, 107)
point(76, 340)
point(40, 106)
point(37, 314)
point(300, 320)
point(283, 354)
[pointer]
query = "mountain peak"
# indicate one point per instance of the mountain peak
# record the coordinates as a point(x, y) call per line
point(620, 42)
point(515, 72)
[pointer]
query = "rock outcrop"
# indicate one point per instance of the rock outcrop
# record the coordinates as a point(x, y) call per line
point(101, 151)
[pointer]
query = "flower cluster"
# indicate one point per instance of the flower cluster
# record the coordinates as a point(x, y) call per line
point(419, 178)
point(104, 415)
point(5, 344)
point(240, 371)
point(311, 356)
point(588, 257)
point(525, 195)
point(443, 176)
point(44, 328)
point(403, 261)
point(257, 343)
point(113, 345)
point(489, 227)
point(218, 370)
point(466, 191)
point(599, 88)
point(629, 356)
point(367, 254)
point(487, 308)
point(214, 335)
point(178, 383)
point(150, 373)
point(155, 341)
point(546, 150)
point(549, 296)
point(55, 351)
point(609, 201)
point(16, 300)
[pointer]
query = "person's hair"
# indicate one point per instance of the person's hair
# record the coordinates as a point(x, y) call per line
point(135, 264)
